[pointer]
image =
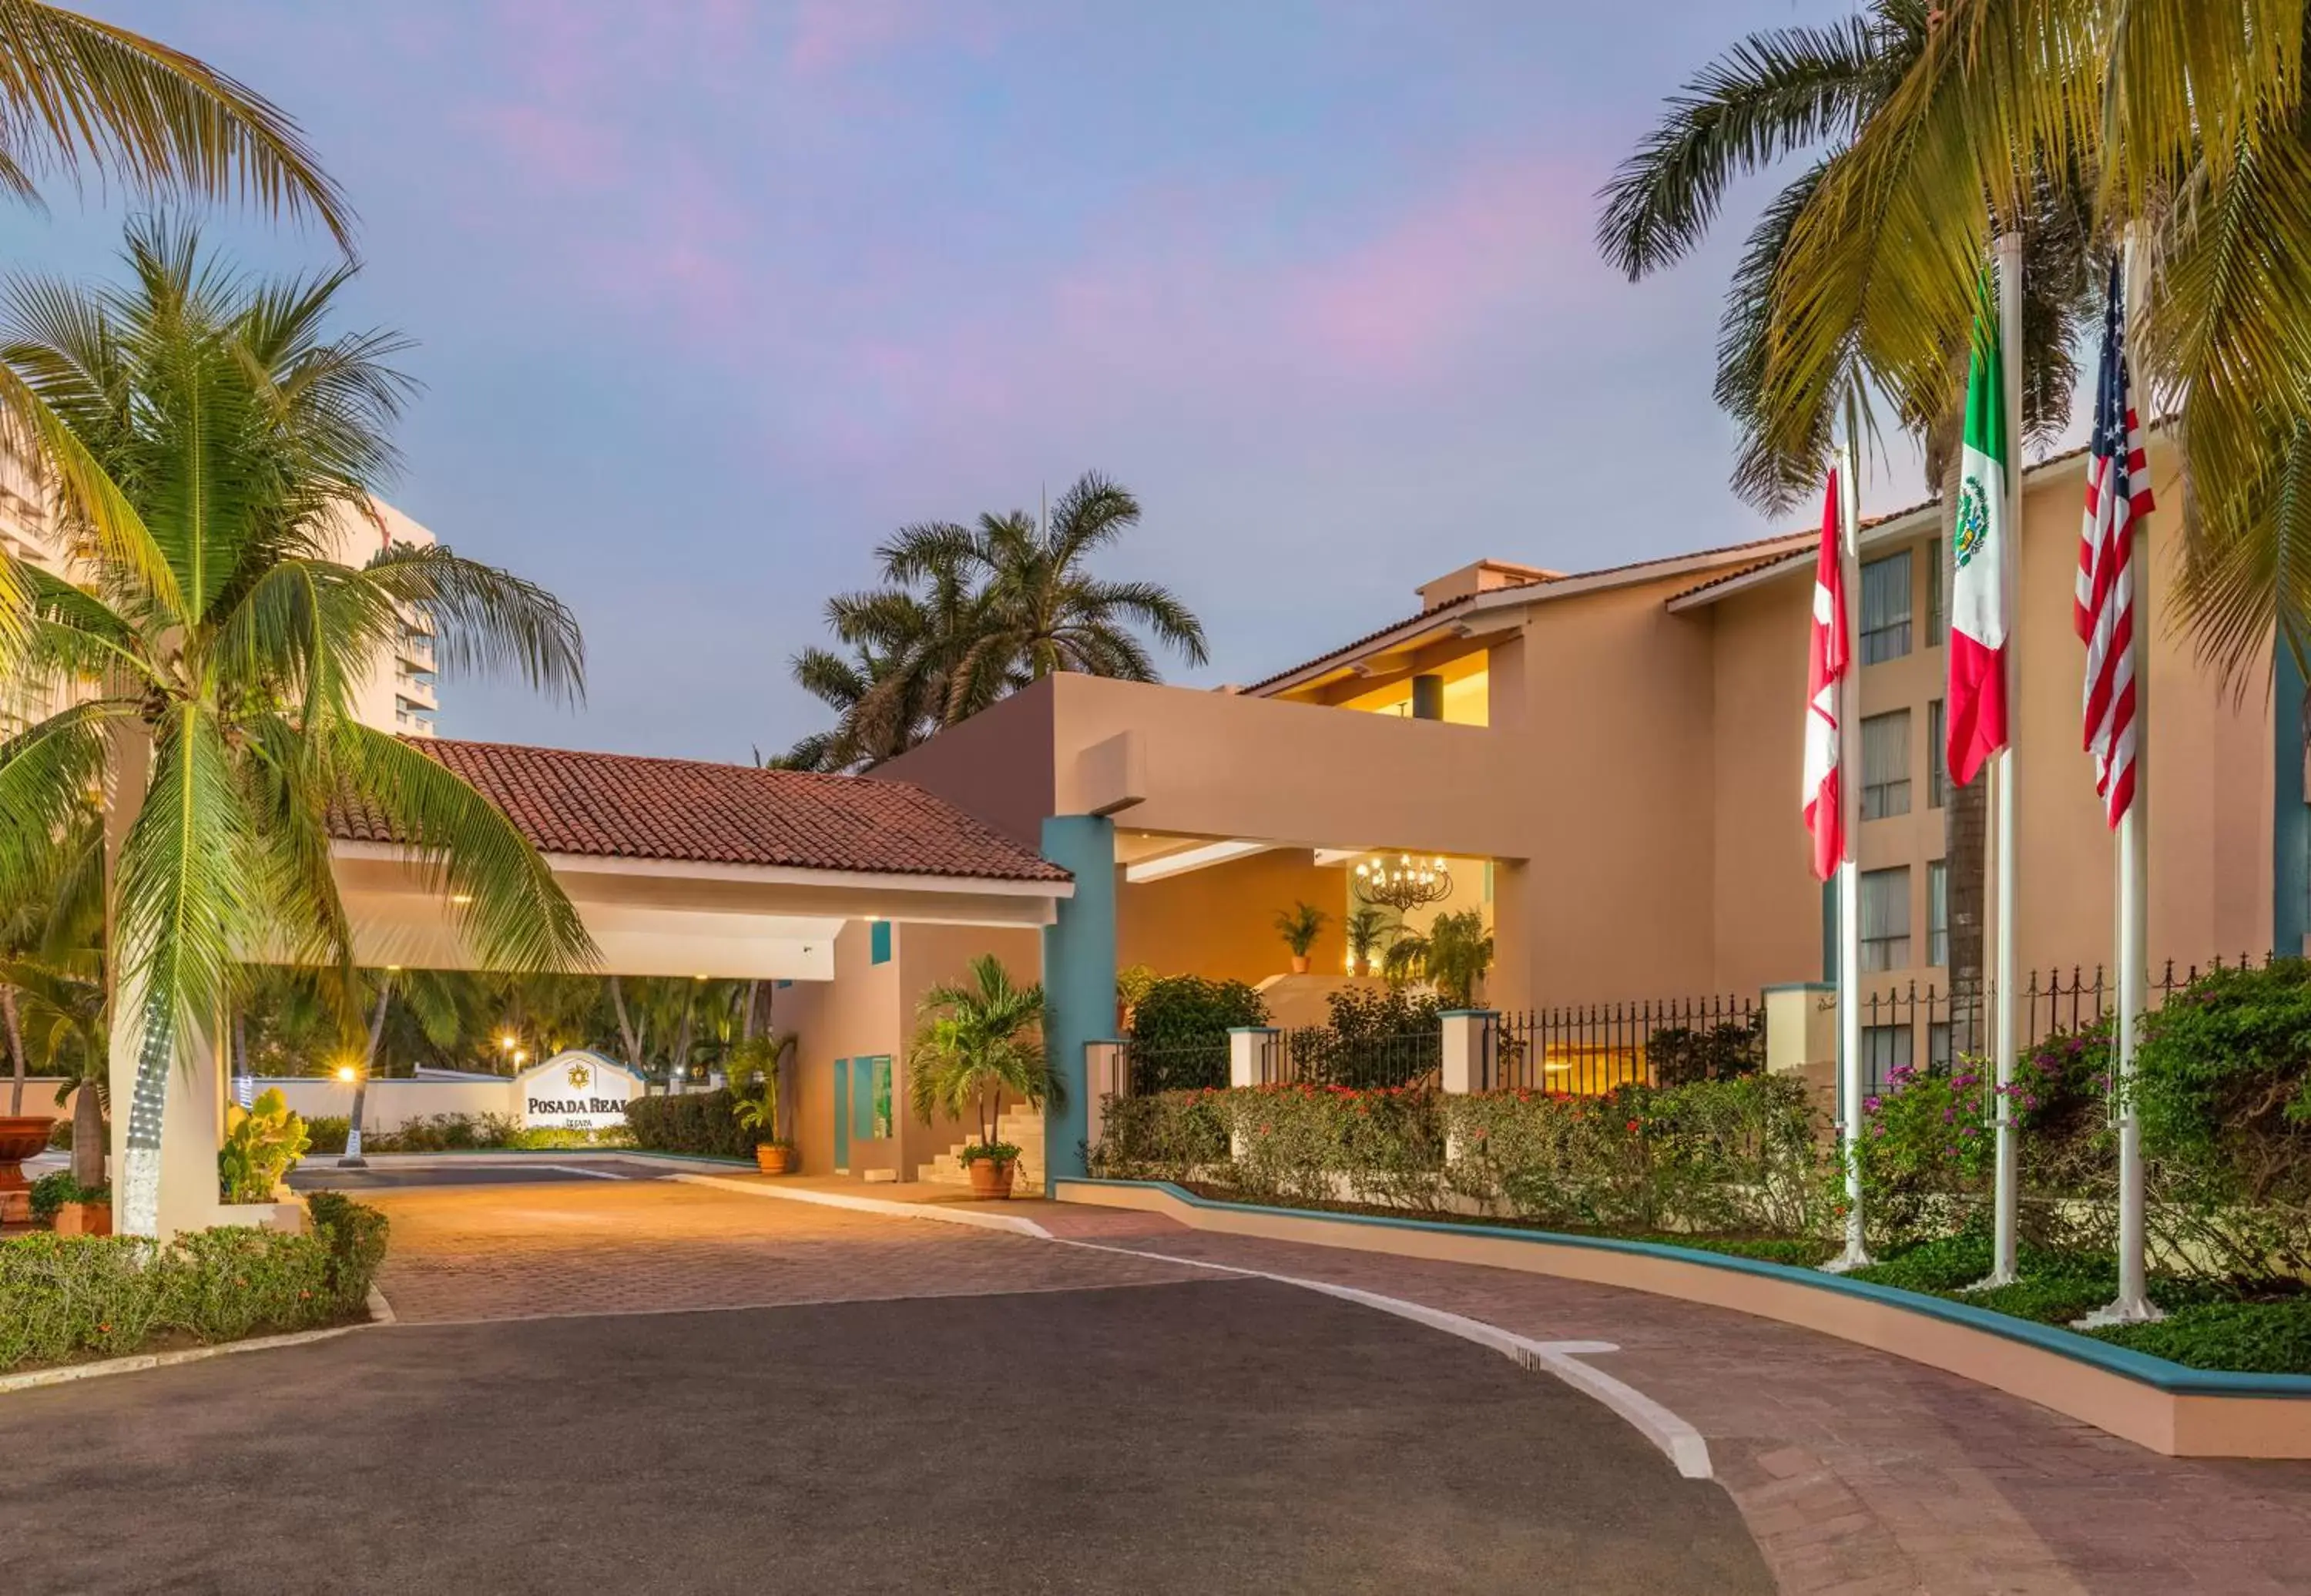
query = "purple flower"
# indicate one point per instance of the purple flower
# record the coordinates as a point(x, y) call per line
point(1871, 1105)
point(2031, 1101)
point(1949, 1114)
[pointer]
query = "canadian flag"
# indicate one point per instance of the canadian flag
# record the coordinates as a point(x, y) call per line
point(1826, 668)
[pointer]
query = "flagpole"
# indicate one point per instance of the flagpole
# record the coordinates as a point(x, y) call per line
point(2133, 1302)
point(1849, 868)
point(2003, 1039)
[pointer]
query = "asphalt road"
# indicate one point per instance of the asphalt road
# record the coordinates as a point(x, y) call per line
point(1209, 1437)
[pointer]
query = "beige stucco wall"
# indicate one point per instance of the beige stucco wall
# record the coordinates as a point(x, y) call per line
point(1220, 922)
point(868, 1010)
point(391, 1103)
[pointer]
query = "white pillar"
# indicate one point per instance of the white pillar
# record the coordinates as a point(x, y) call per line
point(1250, 1048)
point(192, 1128)
point(1469, 1038)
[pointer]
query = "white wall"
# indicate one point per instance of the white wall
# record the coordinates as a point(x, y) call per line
point(391, 1103)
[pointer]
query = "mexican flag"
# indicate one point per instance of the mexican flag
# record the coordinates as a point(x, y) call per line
point(1980, 604)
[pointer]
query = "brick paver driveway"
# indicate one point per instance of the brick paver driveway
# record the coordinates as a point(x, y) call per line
point(658, 1245)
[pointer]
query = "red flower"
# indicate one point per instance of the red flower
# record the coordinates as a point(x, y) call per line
point(1636, 1126)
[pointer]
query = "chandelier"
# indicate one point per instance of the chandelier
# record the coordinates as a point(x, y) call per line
point(1403, 883)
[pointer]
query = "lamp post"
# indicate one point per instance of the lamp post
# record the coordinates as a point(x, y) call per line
point(351, 1074)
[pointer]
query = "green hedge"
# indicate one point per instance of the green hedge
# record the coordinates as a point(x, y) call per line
point(697, 1122)
point(1715, 1157)
point(63, 1298)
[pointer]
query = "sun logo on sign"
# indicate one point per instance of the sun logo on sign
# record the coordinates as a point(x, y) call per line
point(580, 1077)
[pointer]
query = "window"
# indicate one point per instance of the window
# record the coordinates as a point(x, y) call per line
point(1884, 1050)
point(1886, 608)
point(1936, 597)
point(878, 942)
point(1938, 781)
point(1938, 912)
point(1886, 918)
point(1886, 764)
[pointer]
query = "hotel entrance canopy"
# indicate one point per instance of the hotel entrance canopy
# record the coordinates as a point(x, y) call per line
point(683, 868)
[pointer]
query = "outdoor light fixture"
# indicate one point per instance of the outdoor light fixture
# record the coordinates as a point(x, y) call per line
point(347, 1072)
point(1404, 882)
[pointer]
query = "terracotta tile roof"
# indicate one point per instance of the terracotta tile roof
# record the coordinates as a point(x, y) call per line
point(620, 806)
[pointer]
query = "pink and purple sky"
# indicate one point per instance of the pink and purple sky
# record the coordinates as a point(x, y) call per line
point(711, 296)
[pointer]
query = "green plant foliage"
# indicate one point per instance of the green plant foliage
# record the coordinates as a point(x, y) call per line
point(1679, 1055)
point(974, 1042)
point(1168, 1136)
point(2268, 1338)
point(699, 1123)
point(64, 1298)
point(444, 1133)
point(262, 1143)
point(1300, 926)
point(997, 1151)
point(1370, 928)
point(326, 1133)
point(1451, 956)
point(752, 1072)
point(1180, 1029)
point(51, 1192)
point(2224, 1094)
point(1376, 1039)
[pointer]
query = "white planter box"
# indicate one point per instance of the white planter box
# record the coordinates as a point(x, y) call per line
point(265, 1216)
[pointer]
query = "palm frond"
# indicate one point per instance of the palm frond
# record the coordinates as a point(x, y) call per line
point(488, 619)
point(163, 122)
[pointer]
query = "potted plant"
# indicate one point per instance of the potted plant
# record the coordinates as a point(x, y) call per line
point(1300, 926)
point(262, 1143)
point(975, 1042)
point(1453, 956)
point(1369, 931)
point(753, 1069)
point(71, 1208)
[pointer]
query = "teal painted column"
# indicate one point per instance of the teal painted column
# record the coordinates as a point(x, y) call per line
point(1078, 976)
point(2290, 824)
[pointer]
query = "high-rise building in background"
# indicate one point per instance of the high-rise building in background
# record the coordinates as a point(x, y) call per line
point(398, 693)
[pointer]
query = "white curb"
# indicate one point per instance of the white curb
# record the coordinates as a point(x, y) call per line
point(1011, 1223)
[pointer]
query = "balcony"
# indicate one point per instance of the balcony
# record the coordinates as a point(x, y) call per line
point(417, 648)
point(413, 718)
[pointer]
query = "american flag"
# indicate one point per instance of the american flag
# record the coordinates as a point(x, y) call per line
point(2118, 496)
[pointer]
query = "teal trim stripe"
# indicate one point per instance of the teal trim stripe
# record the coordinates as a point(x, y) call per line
point(2290, 823)
point(2158, 1371)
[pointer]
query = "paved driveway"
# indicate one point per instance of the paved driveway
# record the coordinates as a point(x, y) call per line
point(1046, 1419)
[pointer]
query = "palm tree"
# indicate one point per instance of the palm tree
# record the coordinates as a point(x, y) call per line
point(1453, 955)
point(971, 614)
point(212, 645)
point(973, 1044)
point(2185, 121)
point(1829, 92)
point(83, 96)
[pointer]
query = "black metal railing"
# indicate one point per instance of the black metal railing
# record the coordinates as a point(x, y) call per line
point(1927, 1024)
point(1145, 1069)
point(1320, 1056)
point(1590, 1048)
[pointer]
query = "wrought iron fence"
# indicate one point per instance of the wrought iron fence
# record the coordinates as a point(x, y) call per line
point(1588, 1049)
point(1322, 1055)
point(1144, 1070)
point(1913, 1024)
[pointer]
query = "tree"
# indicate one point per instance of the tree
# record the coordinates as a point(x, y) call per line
point(971, 614)
point(2185, 121)
point(1833, 90)
point(1451, 956)
point(83, 96)
point(973, 1044)
point(211, 644)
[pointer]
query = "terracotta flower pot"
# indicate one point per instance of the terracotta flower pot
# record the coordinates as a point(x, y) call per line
point(1364, 968)
point(1299, 964)
point(991, 1177)
point(84, 1218)
point(21, 1136)
point(774, 1159)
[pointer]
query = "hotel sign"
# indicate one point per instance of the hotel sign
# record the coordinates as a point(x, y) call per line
point(574, 1091)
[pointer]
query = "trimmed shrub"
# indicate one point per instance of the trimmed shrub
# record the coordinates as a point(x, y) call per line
point(1171, 1135)
point(443, 1133)
point(327, 1134)
point(63, 1298)
point(1180, 1027)
point(697, 1122)
point(2255, 1338)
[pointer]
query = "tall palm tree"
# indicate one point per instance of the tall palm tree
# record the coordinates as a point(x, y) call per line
point(79, 96)
point(2183, 119)
point(1825, 94)
point(971, 614)
point(213, 645)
